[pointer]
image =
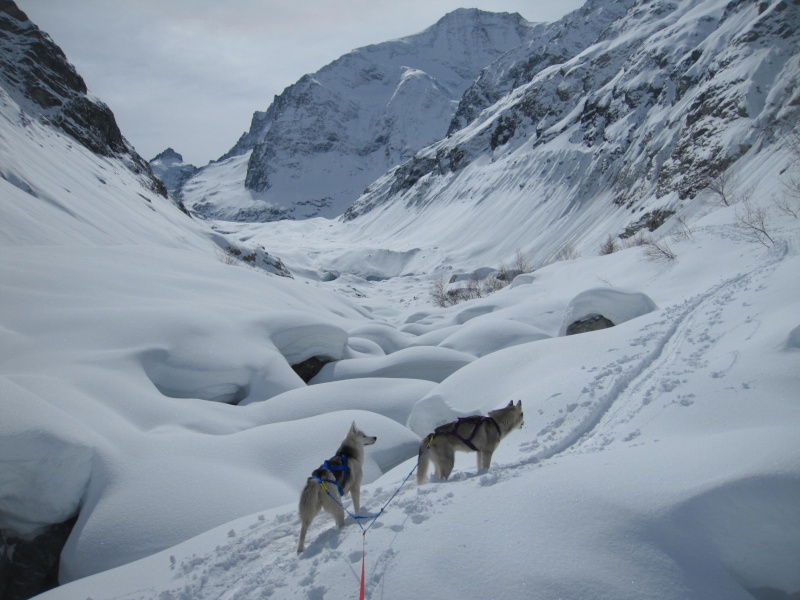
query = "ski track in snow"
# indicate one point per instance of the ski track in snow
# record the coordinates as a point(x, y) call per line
point(631, 387)
point(260, 561)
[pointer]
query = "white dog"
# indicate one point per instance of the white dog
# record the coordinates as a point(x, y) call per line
point(333, 480)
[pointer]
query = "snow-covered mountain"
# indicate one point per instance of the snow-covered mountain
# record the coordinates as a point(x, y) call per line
point(170, 168)
point(668, 96)
point(326, 137)
point(155, 433)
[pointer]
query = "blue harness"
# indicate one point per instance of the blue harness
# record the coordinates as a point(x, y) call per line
point(334, 470)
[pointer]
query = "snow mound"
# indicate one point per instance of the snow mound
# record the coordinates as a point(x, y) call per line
point(45, 471)
point(362, 347)
point(388, 338)
point(432, 364)
point(484, 336)
point(179, 375)
point(299, 336)
point(616, 305)
point(126, 518)
point(392, 398)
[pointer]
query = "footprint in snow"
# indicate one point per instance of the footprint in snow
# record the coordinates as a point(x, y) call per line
point(488, 479)
point(417, 519)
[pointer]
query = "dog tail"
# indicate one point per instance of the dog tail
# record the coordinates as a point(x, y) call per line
point(424, 459)
point(308, 508)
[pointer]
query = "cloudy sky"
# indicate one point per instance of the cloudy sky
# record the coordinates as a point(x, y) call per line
point(190, 73)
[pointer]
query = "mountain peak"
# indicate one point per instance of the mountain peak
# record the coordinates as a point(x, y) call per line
point(333, 132)
point(168, 155)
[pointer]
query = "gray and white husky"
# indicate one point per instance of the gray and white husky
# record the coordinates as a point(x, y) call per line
point(337, 476)
point(468, 434)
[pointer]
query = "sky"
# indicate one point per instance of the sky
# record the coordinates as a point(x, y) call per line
point(188, 74)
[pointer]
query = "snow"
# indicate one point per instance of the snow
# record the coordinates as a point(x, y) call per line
point(659, 457)
point(432, 364)
point(655, 456)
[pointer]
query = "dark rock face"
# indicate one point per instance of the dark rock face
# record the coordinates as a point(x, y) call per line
point(651, 221)
point(309, 368)
point(30, 567)
point(332, 133)
point(590, 323)
point(35, 71)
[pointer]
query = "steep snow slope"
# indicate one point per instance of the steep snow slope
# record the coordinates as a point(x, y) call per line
point(326, 137)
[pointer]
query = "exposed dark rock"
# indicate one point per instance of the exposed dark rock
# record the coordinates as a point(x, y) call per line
point(257, 257)
point(590, 323)
point(35, 71)
point(650, 221)
point(309, 368)
point(30, 567)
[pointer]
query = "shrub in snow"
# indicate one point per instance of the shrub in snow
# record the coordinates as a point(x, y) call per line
point(659, 251)
point(609, 246)
point(753, 220)
point(725, 188)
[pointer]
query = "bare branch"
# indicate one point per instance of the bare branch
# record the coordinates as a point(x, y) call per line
point(609, 246)
point(753, 220)
point(659, 251)
point(682, 231)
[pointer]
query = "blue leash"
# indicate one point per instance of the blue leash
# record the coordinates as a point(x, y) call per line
point(359, 518)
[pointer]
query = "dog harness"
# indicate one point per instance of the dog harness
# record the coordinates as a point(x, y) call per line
point(475, 421)
point(334, 469)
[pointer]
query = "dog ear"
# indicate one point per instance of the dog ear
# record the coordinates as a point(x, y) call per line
point(511, 403)
point(519, 403)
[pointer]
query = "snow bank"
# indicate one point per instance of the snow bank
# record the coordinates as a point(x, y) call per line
point(134, 508)
point(484, 336)
point(433, 364)
point(392, 398)
point(45, 470)
point(388, 338)
point(616, 305)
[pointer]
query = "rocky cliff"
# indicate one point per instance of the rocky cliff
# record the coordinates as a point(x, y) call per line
point(326, 137)
point(38, 76)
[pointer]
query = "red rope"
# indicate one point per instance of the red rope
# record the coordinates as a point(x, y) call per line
point(363, 557)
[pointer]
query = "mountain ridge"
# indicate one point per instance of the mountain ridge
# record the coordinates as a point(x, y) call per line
point(672, 95)
point(322, 140)
point(40, 78)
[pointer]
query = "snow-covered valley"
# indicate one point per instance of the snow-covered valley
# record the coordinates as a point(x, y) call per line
point(147, 383)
